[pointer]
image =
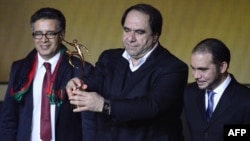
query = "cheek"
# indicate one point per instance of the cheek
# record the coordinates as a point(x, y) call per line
point(123, 38)
point(149, 41)
point(36, 43)
point(144, 42)
point(193, 73)
point(56, 42)
point(210, 75)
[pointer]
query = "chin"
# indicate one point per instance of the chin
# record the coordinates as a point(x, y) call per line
point(202, 86)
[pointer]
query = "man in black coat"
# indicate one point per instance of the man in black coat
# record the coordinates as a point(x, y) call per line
point(136, 92)
point(21, 110)
point(230, 102)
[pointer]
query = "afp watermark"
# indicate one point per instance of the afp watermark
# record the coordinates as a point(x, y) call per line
point(237, 132)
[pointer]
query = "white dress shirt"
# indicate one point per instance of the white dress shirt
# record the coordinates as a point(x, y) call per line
point(140, 61)
point(37, 92)
point(219, 91)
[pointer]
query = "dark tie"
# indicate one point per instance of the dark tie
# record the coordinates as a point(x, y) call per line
point(209, 111)
point(45, 130)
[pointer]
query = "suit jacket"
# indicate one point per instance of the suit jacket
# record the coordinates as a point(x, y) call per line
point(232, 108)
point(16, 120)
point(147, 107)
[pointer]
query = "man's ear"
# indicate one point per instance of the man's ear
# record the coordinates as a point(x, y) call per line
point(155, 38)
point(61, 35)
point(223, 67)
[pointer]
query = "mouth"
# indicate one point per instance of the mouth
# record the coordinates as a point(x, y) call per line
point(44, 47)
point(130, 45)
point(200, 83)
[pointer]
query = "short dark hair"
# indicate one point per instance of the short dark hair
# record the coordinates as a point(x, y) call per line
point(217, 48)
point(49, 13)
point(155, 17)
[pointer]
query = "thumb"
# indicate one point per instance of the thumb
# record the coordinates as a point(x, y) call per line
point(84, 86)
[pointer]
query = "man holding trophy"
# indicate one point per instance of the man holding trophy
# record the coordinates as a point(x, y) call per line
point(136, 91)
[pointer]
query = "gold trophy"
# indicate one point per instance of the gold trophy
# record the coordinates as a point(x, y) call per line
point(78, 52)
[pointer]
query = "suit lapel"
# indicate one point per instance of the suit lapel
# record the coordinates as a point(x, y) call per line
point(224, 102)
point(60, 81)
point(23, 72)
point(120, 73)
point(201, 104)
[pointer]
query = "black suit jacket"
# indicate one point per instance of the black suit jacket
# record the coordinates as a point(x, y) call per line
point(16, 117)
point(233, 108)
point(145, 104)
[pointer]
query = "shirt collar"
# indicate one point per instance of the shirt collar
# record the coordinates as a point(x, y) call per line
point(52, 61)
point(221, 88)
point(140, 61)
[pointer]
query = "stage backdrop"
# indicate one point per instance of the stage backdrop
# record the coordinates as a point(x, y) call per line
point(96, 24)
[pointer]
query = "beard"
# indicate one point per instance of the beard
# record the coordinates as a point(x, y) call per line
point(217, 80)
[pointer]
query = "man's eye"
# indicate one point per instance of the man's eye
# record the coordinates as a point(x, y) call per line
point(140, 32)
point(126, 30)
point(51, 33)
point(38, 33)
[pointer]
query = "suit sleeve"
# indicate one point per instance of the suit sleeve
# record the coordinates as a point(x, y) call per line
point(9, 113)
point(160, 92)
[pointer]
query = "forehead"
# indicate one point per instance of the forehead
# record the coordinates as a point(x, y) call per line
point(46, 24)
point(201, 59)
point(136, 19)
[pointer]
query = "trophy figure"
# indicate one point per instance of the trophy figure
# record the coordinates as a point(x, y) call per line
point(78, 52)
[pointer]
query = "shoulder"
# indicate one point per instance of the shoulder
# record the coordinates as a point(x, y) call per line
point(24, 62)
point(191, 92)
point(239, 88)
point(111, 55)
point(112, 52)
point(192, 88)
point(234, 84)
point(170, 59)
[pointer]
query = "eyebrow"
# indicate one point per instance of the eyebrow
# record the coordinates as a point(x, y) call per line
point(137, 30)
point(199, 68)
point(45, 32)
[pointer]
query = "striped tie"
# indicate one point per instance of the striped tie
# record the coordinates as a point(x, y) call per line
point(209, 111)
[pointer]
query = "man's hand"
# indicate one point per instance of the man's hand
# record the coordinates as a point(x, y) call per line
point(85, 101)
point(73, 84)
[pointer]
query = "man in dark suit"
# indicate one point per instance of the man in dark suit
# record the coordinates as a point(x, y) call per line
point(136, 92)
point(230, 101)
point(21, 110)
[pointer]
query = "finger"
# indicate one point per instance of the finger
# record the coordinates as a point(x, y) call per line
point(72, 85)
point(84, 86)
point(75, 83)
point(76, 95)
point(80, 109)
point(75, 102)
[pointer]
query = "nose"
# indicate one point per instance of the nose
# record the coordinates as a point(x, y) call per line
point(131, 36)
point(44, 38)
point(196, 74)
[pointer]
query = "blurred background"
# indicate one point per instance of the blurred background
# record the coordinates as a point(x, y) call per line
point(96, 24)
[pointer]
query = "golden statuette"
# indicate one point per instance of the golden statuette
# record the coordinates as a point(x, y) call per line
point(77, 52)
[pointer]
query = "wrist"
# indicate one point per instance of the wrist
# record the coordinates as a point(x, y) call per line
point(106, 109)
